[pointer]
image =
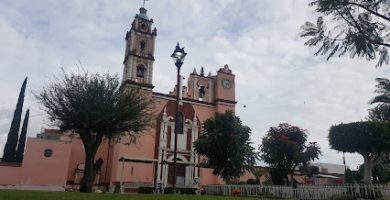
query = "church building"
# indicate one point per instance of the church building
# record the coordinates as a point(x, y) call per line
point(201, 98)
point(56, 159)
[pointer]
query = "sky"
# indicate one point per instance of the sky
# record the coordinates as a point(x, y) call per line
point(278, 79)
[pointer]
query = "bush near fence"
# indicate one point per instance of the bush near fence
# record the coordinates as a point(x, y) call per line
point(168, 190)
point(354, 191)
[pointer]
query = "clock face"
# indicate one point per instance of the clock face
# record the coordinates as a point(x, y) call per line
point(226, 83)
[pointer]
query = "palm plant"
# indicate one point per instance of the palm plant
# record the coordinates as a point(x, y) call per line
point(381, 112)
point(259, 172)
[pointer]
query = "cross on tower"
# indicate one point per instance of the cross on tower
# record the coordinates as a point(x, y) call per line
point(144, 1)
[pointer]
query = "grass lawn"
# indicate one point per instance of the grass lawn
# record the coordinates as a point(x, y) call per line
point(33, 195)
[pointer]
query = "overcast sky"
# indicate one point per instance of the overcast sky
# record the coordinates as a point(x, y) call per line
point(277, 77)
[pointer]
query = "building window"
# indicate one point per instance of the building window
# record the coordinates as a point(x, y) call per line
point(202, 92)
point(47, 153)
point(140, 71)
point(142, 45)
point(180, 123)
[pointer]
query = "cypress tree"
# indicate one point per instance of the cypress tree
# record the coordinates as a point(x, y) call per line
point(12, 139)
point(22, 139)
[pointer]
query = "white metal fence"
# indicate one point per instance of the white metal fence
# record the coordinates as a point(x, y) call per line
point(304, 191)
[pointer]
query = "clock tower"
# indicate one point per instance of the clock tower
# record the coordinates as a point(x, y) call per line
point(139, 52)
point(225, 98)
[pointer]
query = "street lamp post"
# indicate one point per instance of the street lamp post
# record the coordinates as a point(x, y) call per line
point(178, 58)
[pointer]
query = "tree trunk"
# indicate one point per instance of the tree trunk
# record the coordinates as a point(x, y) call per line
point(91, 145)
point(292, 177)
point(368, 165)
point(108, 156)
point(87, 180)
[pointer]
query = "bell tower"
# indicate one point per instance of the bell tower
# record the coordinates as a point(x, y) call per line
point(139, 51)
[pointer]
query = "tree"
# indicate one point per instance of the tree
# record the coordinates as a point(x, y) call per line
point(13, 134)
point(258, 172)
point(309, 170)
point(284, 149)
point(370, 139)
point(226, 145)
point(359, 27)
point(381, 171)
point(381, 111)
point(279, 175)
point(22, 139)
point(94, 106)
point(354, 176)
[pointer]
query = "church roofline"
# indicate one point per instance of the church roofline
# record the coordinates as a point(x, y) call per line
point(188, 100)
point(198, 75)
point(222, 72)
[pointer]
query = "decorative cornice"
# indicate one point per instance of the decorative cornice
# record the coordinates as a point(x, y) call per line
point(151, 33)
point(225, 101)
point(172, 97)
point(145, 85)
point(133, 53)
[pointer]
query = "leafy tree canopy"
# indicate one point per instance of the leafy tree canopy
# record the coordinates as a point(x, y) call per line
point(94, 106)
point(226, 146)
point(284, 148)
point(357, 27)
point(370, 139)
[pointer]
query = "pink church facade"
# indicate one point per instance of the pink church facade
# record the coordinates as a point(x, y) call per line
point(56, 159)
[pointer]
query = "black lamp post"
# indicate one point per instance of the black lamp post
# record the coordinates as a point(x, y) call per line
point(178, 57)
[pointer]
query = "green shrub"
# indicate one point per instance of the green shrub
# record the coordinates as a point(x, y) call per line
point(169, 190)
point(341, 197)
point(145, 190)
point(267, 195)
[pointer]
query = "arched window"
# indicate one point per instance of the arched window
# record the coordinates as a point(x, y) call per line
point(140, 71)
point(142, 45)
point(202, 91)
point(180, 123)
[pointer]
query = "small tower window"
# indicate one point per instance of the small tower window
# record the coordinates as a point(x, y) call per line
point(143, 26)
point(140, 71)
point(202, 92)
point(142, 45)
